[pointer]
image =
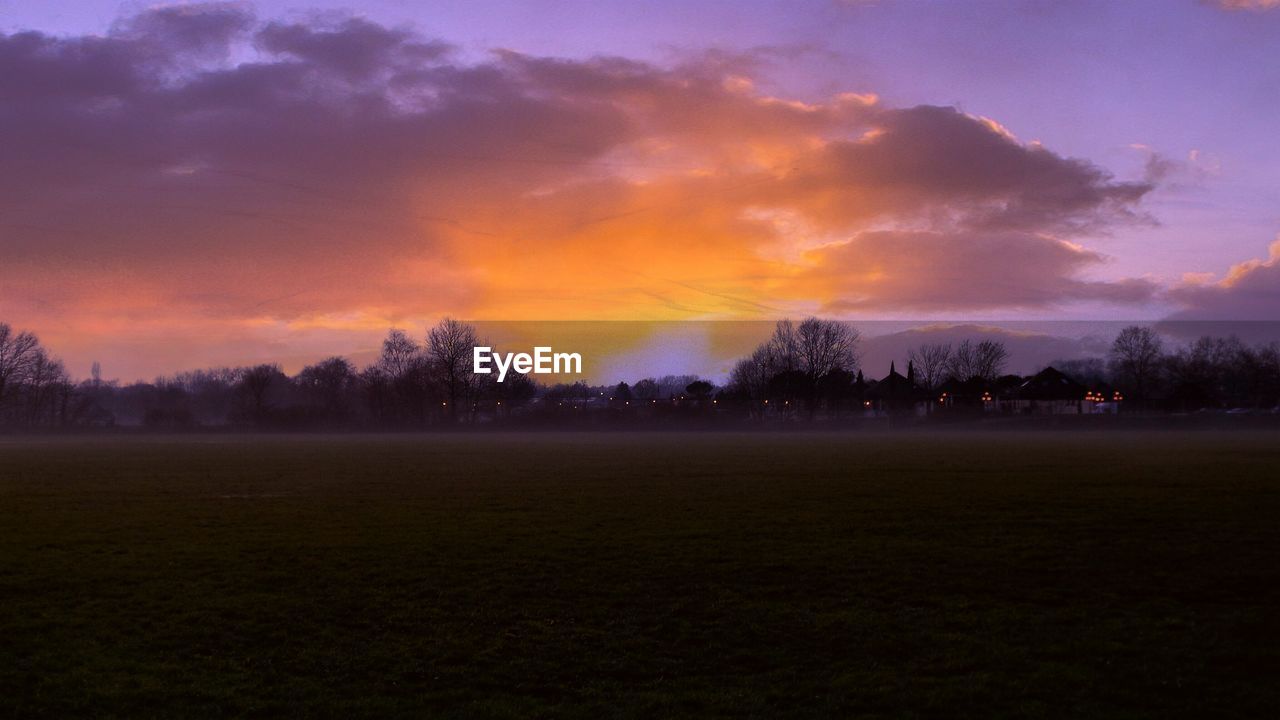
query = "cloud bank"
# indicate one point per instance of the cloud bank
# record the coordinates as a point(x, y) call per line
point(1249, 292)
point(204, 171)
point(1254, 5)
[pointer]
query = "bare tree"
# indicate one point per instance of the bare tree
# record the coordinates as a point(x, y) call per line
point(400, 355)
point(1216, 371)
point(931, 362)
point(814, 347)
point(449, 348)
point(46, 388)
point(826, 345)
point(17, 352)
point(782, 348)
point(962, 364)
point(1135, 357)
point(985, 359)
point(804, 353)
point(750, 379)
point(991, 357)
point(257, 380)
point(330, 381)
point(377, 390)
point(398, 383)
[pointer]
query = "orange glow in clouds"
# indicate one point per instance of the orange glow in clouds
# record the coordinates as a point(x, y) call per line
point(299, 206)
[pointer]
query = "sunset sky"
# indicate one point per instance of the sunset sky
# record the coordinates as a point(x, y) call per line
point(186, 185)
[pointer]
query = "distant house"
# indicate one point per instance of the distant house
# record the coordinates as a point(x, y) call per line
point(974, 394)
point(1050, 392)
point(1102, 399)
point(859, 391)
point(896, 394)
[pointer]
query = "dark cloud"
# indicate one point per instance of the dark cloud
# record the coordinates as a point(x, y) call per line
point(355, 48)
point(940, 271)
point(938, 160)
point(42, 69)
point(200, 30)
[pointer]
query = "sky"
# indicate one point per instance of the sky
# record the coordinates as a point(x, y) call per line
point(189, 185)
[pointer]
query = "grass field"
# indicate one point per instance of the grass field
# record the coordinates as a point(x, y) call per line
point(644, 575)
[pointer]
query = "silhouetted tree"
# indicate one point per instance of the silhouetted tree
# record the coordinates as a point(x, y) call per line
point(573, 394)
point(787, 388)
point(621, 394)
point(985, 359)
point(699, 389)
point(782, 348)
point(826, 345)
point(449, 349)
point(700, 392)
point(1135, 359)
point(1216, 372)
point(257, 381)
point(1268, 377)
point(400, 355)
point(329, 383)
point(45, 391)
point(646, 390)
point(209, 396)
point(18, 351)
point(931, 362)
point(836, 389)
point(515, 392)
point(789, 364)
point(398, 385)
point(376, 384)
point(749, 380)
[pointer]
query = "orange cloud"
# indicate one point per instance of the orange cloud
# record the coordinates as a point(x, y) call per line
point(1249, 292)
point(347, 176)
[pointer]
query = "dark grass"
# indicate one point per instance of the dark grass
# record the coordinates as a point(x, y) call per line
point(609, 575)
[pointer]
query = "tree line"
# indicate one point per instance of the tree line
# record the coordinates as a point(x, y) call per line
point(1208, 373)
point(810, 369)
point(411, 383)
